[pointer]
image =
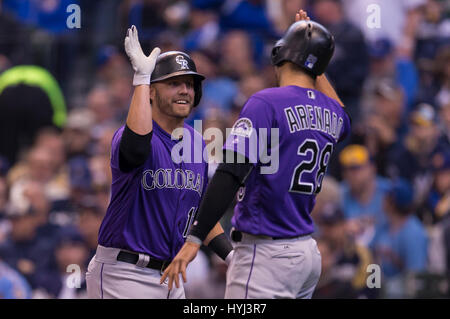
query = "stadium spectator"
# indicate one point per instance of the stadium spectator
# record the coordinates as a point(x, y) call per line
point(204, 31)
point(88, 223)
point(28, 247)
point(77, 134)
point(398, 20)
point(411, 160)
point(330, 195)
point(248, 15)
point(435, 214)
point(438, 200)
point(400, 246)
point(434, 77)
point(363, 192)
point(99, 102)
point(47, 21)
point(80, 180)
point(382, 123)
point(3, 195)
point(444, 123)
point(248, 85)
point(385, 62)
point(442, 69)
point(433, 31)
point(148, 16)
point(30, 99)
point(42, 167)
point(109, 62)
point(330, 287)
point(282, 13)
point(218, 90)
point(12, 284)
point(237, 64)
point(4, 224)
point(350, 259)
point(71, 255)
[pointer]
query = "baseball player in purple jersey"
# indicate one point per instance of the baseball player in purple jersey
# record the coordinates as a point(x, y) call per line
point(154, 199)
point(274, 254)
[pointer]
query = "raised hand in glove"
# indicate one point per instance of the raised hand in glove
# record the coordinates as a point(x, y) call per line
point(143, 65)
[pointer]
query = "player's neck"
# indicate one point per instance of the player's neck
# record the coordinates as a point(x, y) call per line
point(167, 123)
point(290, 77)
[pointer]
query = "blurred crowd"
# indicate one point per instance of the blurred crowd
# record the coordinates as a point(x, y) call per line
point(64, 92)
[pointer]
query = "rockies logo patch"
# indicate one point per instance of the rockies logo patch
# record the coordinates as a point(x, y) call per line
point(242, 127)
point(241, 194)
point(310, 61)
point(182, 62)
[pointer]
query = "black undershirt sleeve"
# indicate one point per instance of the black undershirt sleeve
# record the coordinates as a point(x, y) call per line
point(221, 245)
point(219, 194)
point(133, 149)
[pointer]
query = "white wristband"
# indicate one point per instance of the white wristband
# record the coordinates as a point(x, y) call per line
point(141, 79)
point(193, 239)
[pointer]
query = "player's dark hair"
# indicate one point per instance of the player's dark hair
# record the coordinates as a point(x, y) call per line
point(294, 67)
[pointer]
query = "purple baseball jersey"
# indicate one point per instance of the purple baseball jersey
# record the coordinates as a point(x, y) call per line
point(152, 207)
point(303, 126)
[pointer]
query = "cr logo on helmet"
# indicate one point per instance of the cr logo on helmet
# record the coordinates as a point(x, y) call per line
point(182, 61)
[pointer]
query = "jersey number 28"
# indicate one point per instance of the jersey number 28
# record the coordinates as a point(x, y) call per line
point(314, 167)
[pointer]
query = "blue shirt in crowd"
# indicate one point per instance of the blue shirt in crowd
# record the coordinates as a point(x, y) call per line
point(374, 208)
point(12, 284)
point(402, 250)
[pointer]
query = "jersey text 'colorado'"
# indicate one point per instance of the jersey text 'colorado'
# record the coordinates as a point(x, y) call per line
point(152, 207)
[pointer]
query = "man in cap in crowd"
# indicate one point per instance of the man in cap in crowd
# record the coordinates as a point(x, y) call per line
point(400, 246)
point(412, 159)
point(363, 191)
point(347, 277)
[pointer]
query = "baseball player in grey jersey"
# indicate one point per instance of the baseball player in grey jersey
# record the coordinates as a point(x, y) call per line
point(274, 255)
point(153, 198)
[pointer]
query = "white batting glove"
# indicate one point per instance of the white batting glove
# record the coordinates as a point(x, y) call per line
point(143, 65)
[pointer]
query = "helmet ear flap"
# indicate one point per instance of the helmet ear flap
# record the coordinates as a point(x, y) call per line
point(197, 92)
point(274, 55)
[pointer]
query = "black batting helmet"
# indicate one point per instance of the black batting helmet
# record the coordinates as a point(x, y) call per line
point(307, 44)
point(175, 63)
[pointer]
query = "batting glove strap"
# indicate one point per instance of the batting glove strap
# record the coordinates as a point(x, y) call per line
point(141, 79)
point(193, 239)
